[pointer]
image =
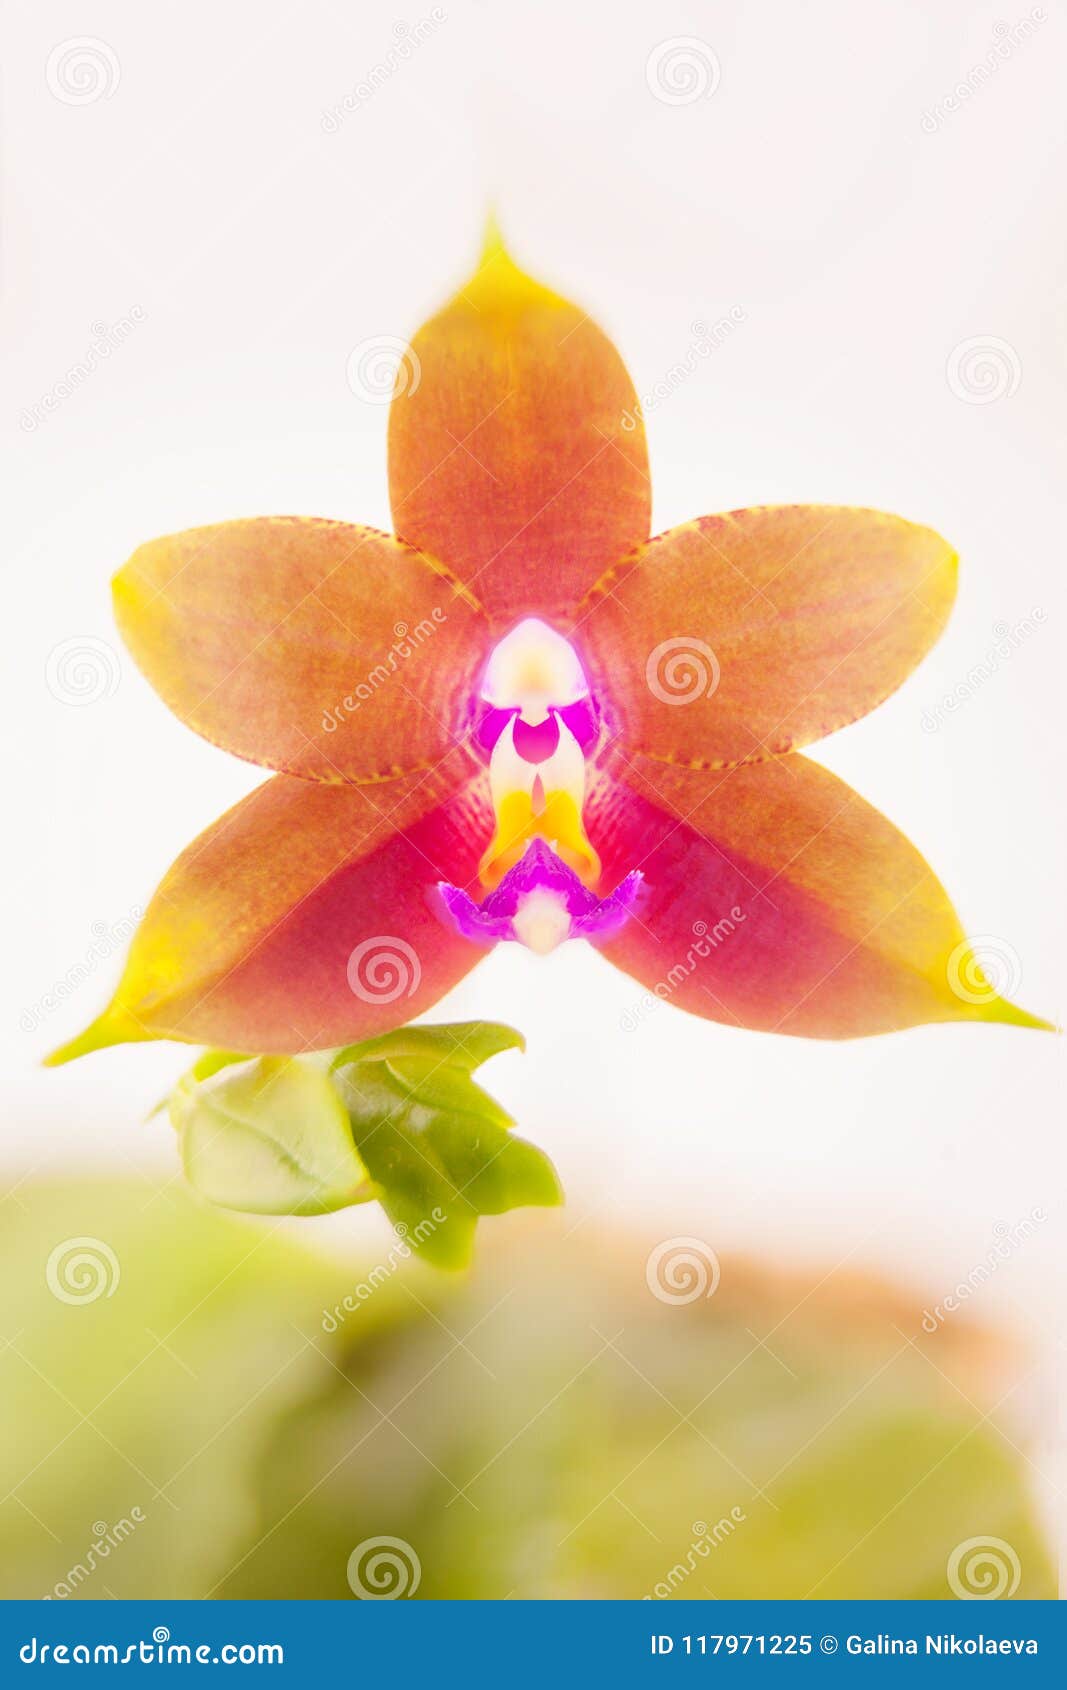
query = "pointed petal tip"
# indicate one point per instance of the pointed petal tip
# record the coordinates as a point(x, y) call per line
point(497, 281)
point(492, 237)
point(1011, 1015)
point(115, 1027)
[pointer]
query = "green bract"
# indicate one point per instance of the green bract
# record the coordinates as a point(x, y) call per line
point(397, 1118)
point(270, 1136)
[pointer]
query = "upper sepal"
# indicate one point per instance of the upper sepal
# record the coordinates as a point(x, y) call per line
point(517, 447)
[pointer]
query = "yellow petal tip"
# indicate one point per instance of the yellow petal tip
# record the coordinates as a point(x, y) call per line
point(492, 238)
point(1012, 1016)
point(498, 282)
point(115, 1027)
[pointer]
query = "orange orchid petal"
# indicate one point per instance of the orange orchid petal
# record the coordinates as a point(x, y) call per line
point(314, 647)
point(779, 900)
point(301, 918)
point(516, 445)
point(739, 637)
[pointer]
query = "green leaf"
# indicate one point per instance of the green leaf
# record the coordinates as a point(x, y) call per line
point(270, 1136)
point(441, 1151)
point(460, 1044)
point(398, 1118)
point(449, 1089)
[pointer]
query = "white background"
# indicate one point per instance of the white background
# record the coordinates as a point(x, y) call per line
point(202, 192)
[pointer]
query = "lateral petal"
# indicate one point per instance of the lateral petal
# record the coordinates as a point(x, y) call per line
point(778, 899)
point(740, 637)
point(318, 648)
point(302, 920)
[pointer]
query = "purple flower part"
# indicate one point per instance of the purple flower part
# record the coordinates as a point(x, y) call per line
point(490, 725)
point(472, 920)
point(540, 870)
point(536, 743)
point(612, 912)
point(583, 720)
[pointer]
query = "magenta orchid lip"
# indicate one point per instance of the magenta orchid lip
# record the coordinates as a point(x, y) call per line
point(541, 902)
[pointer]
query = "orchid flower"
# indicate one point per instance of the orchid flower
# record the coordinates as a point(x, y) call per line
point(523, 720)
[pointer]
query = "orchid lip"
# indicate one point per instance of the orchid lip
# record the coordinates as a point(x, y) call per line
point(541, 902)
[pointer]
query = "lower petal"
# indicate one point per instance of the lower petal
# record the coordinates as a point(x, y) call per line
point(302, 918)
point(778, 899)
